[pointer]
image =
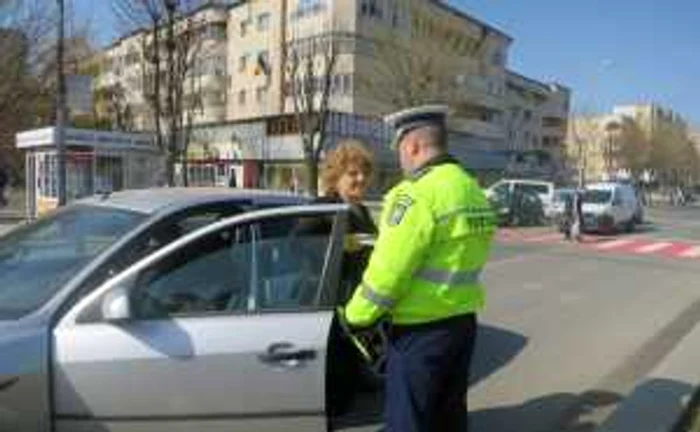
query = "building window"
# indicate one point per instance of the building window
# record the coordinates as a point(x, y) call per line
point(241, 97)
point(498, 58)
point(260, 94)
point(337, 84)
point(395, 14)
point(371, 8)
point(263, 21)
point(307, 8)
point(262, 63)
point(244, 27)
point(347, 84)
point(214, 31)
point(243, 63)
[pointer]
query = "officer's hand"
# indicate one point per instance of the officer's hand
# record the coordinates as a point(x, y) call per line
point(360, 337)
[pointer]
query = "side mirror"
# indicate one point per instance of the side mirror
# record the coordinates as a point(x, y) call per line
point(116, 305)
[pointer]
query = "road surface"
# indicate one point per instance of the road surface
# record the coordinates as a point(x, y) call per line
point(571, 328)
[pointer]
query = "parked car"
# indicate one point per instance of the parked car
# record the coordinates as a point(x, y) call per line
point(519, 208)
point(176, 309)
point(639, 210)
point(543, 189)
point(609, 207)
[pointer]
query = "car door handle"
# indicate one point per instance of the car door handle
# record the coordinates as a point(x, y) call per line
point(284, 354)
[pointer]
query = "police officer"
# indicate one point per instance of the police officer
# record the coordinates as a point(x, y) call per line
point(424, 274)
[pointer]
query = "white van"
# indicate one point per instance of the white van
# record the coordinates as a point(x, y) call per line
point(543, 189)
point(609, 207)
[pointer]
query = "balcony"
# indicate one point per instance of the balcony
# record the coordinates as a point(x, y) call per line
point(477, 127)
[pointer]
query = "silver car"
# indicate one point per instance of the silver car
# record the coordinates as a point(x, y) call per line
point(178, 310)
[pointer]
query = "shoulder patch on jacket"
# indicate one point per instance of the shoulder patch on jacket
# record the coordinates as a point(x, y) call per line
point(399, 209)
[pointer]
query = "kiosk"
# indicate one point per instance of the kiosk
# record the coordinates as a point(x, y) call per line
point(96, 162)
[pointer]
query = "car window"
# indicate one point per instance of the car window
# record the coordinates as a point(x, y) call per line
point(37, 260)
point(532, 188)
point(290, 261)
point(211, 274)
point(562, 196)
point(501, 195)
point(501, 189)
point(597, 196)
point(262, 266)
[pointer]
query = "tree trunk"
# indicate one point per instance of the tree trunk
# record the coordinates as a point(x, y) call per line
point(170, 168)
point(311, 175)
point(185, 172)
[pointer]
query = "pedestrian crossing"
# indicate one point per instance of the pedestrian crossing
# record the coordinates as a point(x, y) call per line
point(630, 245)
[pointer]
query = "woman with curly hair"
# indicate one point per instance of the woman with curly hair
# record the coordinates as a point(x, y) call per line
point(345, 178)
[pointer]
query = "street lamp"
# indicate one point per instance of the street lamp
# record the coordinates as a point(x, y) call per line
point(60, 107)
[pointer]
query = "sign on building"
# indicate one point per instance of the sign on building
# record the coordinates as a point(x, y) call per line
point(79, 94)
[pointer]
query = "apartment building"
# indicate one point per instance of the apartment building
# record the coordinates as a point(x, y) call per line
point(536, 123)
point(123, 68)
point(263, 38)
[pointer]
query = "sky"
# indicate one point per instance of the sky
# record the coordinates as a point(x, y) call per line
point(608, 52)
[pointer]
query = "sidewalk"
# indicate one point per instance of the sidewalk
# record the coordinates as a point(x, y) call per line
point(14, 211)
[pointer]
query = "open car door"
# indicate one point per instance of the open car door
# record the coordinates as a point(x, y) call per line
point(225, 329)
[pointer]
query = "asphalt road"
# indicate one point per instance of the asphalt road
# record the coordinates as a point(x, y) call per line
point(569, 330)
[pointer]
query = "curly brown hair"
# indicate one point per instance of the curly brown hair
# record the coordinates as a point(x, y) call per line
point(349, 152)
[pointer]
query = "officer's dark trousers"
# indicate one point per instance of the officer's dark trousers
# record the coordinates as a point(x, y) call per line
point(427, 376)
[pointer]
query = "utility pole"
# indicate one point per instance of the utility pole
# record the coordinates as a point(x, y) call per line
point(61, 107)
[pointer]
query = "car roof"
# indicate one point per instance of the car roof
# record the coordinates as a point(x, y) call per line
point(604, 186)
point(527, 181)
point(151, 201)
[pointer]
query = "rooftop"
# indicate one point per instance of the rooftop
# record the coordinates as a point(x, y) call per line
point(442, 4)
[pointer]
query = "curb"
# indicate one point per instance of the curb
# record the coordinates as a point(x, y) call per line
point(660, 401)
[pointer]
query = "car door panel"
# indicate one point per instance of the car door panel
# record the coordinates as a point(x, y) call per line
point(250, 370)
point(226, 382)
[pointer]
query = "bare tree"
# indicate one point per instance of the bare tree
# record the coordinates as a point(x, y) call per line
point(187, 89)
point(28, 69)
point(312, 64)
point(170, 47)
point(583, 136)
point(112, 106)
point(631, 148)
point(408, 70)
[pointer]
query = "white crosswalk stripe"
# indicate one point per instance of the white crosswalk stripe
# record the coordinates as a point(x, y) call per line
point(614, 244)
point(692, 252)
point(654, 247)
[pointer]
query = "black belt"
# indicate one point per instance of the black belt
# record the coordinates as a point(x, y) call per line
point(398, 330)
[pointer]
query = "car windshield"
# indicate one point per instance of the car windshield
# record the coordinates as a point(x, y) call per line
point(561, 196)
point(36, 260)
point(595, 196)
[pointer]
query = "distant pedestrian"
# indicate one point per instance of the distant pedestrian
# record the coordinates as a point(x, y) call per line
point(4, 180)
point(568, 217)
point(577, 225)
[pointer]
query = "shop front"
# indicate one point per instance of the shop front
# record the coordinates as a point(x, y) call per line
point(96, 162)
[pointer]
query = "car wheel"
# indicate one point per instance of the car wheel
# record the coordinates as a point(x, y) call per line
point(629, 226)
